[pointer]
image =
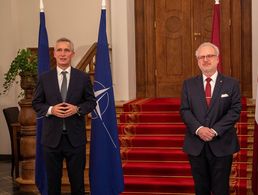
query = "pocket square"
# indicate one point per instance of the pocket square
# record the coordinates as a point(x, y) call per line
point(224, 95)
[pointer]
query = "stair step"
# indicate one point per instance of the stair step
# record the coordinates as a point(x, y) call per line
point(153, 129)
point(168, 141)
point(168, 128)
point(164, 104)
point(175, 169)
point(151, 134)
point(155, 193)
point(168, 154)
point(158, 184)
point(161, 117)
point(157, 168)
point(152, 141)
point(150, 117)
point(238, 186)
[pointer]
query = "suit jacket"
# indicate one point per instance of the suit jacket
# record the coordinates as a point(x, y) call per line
point(221, 115)
point(80, 93)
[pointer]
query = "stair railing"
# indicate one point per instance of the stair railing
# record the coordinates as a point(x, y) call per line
point(88, 61)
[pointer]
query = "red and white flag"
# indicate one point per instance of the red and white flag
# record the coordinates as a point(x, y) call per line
point(255, 149)
point(215, 33)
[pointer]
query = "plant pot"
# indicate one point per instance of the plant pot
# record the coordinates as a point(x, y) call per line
point(28, 84)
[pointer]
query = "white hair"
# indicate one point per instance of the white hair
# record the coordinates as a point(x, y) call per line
point(216, 49)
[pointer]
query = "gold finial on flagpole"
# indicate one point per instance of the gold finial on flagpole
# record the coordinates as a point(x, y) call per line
point(103, 5)
point(41, 6)
point(216, 1)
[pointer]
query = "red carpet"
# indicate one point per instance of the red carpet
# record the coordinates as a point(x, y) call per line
point(164, 129)
point(151, 135)
point(160, 117)
point(167, 168)
point(172, 185)
point(164, 141)
point(166, 154)
point(159, 104)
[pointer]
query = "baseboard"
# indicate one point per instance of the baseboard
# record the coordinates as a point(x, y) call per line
point(5, 157)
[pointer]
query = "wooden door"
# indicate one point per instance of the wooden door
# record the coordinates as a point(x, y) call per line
point(173, 46)
point(181, 26)
point(169, 31)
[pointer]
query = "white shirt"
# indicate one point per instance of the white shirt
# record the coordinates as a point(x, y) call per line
point(60, 80)
point(212, 82)
point(60, 76)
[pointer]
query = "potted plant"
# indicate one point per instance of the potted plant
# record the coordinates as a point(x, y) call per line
point(25, 65)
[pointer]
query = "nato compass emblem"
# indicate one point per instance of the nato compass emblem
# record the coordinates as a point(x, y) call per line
point(103, 99)
point(102, 96)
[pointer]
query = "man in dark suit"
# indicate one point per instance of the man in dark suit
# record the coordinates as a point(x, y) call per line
point(210, 108)
point(63, 97)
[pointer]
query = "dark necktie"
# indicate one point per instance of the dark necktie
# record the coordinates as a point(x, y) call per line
point(63, 94)
point(208, 91)
point(64, 86)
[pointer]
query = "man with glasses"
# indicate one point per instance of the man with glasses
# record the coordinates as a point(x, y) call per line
point(210, 108)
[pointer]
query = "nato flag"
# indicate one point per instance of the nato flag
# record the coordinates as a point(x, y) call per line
point(106, 174)
point(43, 66)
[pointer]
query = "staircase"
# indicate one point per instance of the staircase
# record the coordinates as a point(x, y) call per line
point(151, 134)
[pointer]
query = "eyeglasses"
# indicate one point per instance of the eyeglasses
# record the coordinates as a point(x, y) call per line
point(207, 57)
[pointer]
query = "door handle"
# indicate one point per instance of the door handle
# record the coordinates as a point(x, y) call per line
point(196, 34)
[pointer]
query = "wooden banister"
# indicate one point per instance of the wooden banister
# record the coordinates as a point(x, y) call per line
point(88, 61)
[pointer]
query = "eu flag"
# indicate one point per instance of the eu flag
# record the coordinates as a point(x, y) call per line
point(106, 174)
point(43, 66)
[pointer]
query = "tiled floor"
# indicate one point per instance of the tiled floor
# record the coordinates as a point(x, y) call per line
point(7, 186)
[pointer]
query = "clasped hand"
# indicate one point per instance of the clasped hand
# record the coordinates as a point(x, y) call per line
point(64, 110)
point(206, 134)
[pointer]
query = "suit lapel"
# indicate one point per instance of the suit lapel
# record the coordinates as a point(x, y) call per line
point(71, 84)
point(201, 90)
point(54, 81)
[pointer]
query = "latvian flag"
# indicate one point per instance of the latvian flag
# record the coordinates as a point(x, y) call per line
point(255, 149)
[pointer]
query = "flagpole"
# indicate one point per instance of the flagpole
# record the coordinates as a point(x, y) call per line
point(41, 6)
point(103, 5)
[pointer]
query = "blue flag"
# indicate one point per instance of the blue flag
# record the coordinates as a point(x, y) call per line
point(106, 173)
point(43, 66)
